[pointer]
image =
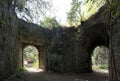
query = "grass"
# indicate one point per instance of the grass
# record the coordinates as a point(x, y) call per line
point(100, 66)
point(103, 66)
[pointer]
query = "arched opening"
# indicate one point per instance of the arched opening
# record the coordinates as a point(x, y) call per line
point(100, 59)
point(31, 58)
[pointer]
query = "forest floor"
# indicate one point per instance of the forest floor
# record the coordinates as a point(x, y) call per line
point(40, 75)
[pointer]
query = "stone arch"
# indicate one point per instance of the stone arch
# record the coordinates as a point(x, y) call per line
point(31, 61)
point(100, 58)
point(32, 34)
point(41, 54)
point(92, 37)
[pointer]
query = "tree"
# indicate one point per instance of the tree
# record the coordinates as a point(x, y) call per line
point(31, 10)
point(49, 22)
point(73, 13)
point(100, 56)
point(82, 10)
point(30, 51)
point(112, 15)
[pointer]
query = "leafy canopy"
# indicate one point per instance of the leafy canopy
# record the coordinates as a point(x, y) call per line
point(82, 10)
point(49, 22)
point(31, 10)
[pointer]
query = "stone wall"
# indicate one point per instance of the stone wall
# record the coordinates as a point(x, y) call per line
point(8, 40)
point(70, 50)
point(31, 33)
point(114, 66)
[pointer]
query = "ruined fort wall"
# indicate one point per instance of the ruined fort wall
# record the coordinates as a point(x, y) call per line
point(8, 40)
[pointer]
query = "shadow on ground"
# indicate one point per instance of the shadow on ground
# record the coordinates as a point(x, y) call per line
point(48, 76)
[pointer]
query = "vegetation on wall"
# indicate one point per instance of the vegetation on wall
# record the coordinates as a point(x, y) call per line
point(49, 22)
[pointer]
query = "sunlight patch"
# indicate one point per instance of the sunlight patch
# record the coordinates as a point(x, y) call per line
point(34, 70)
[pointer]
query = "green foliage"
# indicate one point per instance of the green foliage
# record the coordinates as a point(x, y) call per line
point(100, 55)
point(100, 66)
point(30, 53)
point(112, 12)
point(22, 69)
point(35, 64)
point(49, 22)
point(103, 66)
point(100, 58)
point(72, 14)
point(82, 10)
point(30, 10)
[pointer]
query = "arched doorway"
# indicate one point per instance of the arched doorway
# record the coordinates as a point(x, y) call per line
point(100, 58)
point(30, 57)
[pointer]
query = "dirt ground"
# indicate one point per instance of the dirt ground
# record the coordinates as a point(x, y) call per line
point(48, 76)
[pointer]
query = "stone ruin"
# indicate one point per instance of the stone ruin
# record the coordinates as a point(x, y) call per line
point(60, 49)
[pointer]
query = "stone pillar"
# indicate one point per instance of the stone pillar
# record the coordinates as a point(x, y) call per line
point(42, 57)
